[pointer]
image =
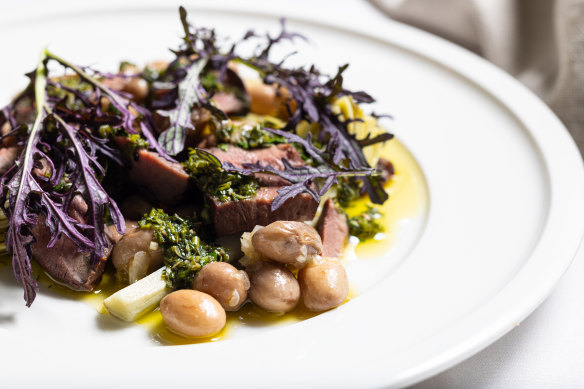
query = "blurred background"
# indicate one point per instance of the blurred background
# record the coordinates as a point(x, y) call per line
point(539, 42)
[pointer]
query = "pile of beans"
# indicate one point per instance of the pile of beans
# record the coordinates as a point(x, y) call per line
point(268, 280)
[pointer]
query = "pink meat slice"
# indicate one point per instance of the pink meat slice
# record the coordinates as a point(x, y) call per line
point(64, 262)
point(228, 103)
point(238, 216)
point(166, 180)
point(271, 156)
point(333, 230)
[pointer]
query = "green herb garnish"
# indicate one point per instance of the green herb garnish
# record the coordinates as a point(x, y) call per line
point(366, 225)
point(348, 190)
point(211, 178)
point(248, 137)
point(184, 252)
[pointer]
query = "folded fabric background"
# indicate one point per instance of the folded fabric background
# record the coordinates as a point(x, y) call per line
point(540, 42)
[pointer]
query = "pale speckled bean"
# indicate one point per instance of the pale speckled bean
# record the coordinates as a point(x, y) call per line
point(225, 283)
point(273, 287)
point(289, 242)
point(192, 313)
point(323, 284)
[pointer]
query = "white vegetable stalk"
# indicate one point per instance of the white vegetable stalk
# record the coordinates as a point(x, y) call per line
point(138, 298)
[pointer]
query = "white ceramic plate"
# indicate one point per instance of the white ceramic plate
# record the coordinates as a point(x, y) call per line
point(505, 185)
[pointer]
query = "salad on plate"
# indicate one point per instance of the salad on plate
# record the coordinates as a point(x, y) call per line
point(203, 184)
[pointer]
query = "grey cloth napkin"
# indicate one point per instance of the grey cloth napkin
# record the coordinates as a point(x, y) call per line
point(540, 42)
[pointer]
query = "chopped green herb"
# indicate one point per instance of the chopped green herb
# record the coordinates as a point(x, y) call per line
point(348, 189)
point(366, 225)
point(212, 179)
point(248, 137)
point(184, 252)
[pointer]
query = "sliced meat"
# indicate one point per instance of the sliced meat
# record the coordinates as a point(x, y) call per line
point(63, 262)
point(271, 156)
point(386, 169)
point(238, 216)
point(166, 181)
point(233, 100)
point(333, 230)
point(267, 179)
point(229, 103)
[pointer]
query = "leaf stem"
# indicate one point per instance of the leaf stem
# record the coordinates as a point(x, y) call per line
point(20, 256)
point(40, 84)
